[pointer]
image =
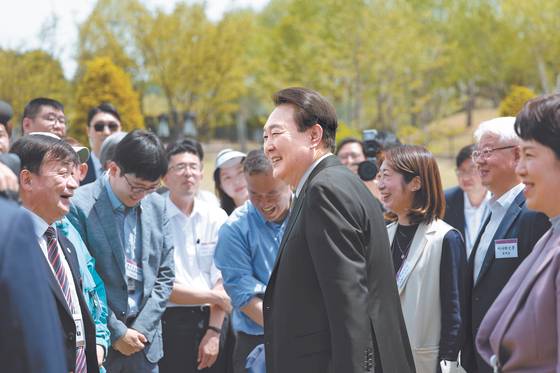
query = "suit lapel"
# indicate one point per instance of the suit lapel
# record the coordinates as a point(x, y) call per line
point(509, 218)
point(55, 287)
point(104, 210)
point(296, 209)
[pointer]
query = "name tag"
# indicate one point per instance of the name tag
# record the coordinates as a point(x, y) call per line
point(133, 273)
point(206, 248)
point(506, 248)
point(80, 333)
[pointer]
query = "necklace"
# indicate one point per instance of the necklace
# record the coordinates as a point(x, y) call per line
point(404, 252)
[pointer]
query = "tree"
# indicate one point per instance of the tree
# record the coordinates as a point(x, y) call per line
point(103, 81)
point(31, 74)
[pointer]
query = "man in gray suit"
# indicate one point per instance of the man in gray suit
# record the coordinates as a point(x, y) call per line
point(126, 229)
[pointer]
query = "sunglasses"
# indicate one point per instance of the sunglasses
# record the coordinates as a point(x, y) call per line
point(100, 126)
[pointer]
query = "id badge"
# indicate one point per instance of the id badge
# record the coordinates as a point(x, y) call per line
point(506, 248)
point(80, 333)
point(134, 274)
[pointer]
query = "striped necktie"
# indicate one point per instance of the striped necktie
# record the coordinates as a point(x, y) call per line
point(63, 280)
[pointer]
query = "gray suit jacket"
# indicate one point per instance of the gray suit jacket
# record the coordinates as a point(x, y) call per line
point(92, 215)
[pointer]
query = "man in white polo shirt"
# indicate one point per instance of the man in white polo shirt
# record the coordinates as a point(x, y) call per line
point(193, 322)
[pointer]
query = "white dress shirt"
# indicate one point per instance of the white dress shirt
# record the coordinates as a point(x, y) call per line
point(194, 239)
point(498, 209)
point(474, 216)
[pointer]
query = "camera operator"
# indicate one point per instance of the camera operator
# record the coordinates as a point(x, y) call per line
point(363, 157)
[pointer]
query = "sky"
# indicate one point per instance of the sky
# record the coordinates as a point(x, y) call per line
point(23, 23)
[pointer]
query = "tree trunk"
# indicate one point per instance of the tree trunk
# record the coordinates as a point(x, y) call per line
point(541, 67)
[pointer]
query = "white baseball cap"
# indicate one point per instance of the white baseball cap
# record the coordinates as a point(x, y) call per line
point(229, 157)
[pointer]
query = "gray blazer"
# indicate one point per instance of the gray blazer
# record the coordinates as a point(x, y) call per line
point(91, 213)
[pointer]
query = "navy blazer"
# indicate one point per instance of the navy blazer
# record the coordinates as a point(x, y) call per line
point(455, 209)
point(527, 227)
point(30, 333)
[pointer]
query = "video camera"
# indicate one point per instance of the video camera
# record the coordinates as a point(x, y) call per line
point(374, 141)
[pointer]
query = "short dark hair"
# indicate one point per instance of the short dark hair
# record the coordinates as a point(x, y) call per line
point(310, 108)
point(350, 140)
point(464, 154)
point(34, 150)
point(141, 153)
point(410, 161)
point(34, 106)
point(539, 120)
point(256, 163)
point(186, 145)
point(105, 107)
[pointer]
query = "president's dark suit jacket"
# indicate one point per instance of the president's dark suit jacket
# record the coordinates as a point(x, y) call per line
point(455, 209)
point(30, 333)
point(331, 304)
point(519, 222)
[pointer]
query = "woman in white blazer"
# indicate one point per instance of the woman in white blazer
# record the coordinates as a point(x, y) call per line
point(428, 256)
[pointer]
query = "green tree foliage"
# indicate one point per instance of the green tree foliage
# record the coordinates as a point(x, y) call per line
point(26, 75)
point(512, 104)
point(103, 81)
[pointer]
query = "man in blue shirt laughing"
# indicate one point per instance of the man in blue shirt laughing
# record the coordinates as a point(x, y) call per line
point(247, 248)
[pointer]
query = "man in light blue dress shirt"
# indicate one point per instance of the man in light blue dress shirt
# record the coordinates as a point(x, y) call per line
point(247, 248)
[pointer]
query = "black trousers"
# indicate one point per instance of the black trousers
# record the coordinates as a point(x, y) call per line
point(244, 344)
point(183, 329)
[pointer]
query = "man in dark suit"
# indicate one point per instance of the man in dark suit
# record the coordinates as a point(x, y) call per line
point(508, 234)
point(30, 336)
point(102, 121)
point(47, 182)
point(331, 304)
point(466, 204)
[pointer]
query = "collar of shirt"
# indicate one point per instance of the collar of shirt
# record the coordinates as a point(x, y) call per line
point(308, 172)
point(174, 210)
point(506, 199)
point(96, 164)
point(39, 225)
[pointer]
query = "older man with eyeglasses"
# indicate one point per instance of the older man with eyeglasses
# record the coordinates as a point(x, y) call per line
point(507, 235)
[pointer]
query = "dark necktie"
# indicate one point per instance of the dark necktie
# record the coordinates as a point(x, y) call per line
point(63, 279)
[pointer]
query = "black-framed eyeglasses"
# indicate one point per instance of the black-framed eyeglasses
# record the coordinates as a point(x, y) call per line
point(137, 189)
point(53, 118)
point(100, 126)
point(486, 152)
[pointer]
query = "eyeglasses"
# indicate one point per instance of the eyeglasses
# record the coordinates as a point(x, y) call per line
point(181, 168)
point(486, 152)
point(52, 119)
point(139, 190)
point(100, 126)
